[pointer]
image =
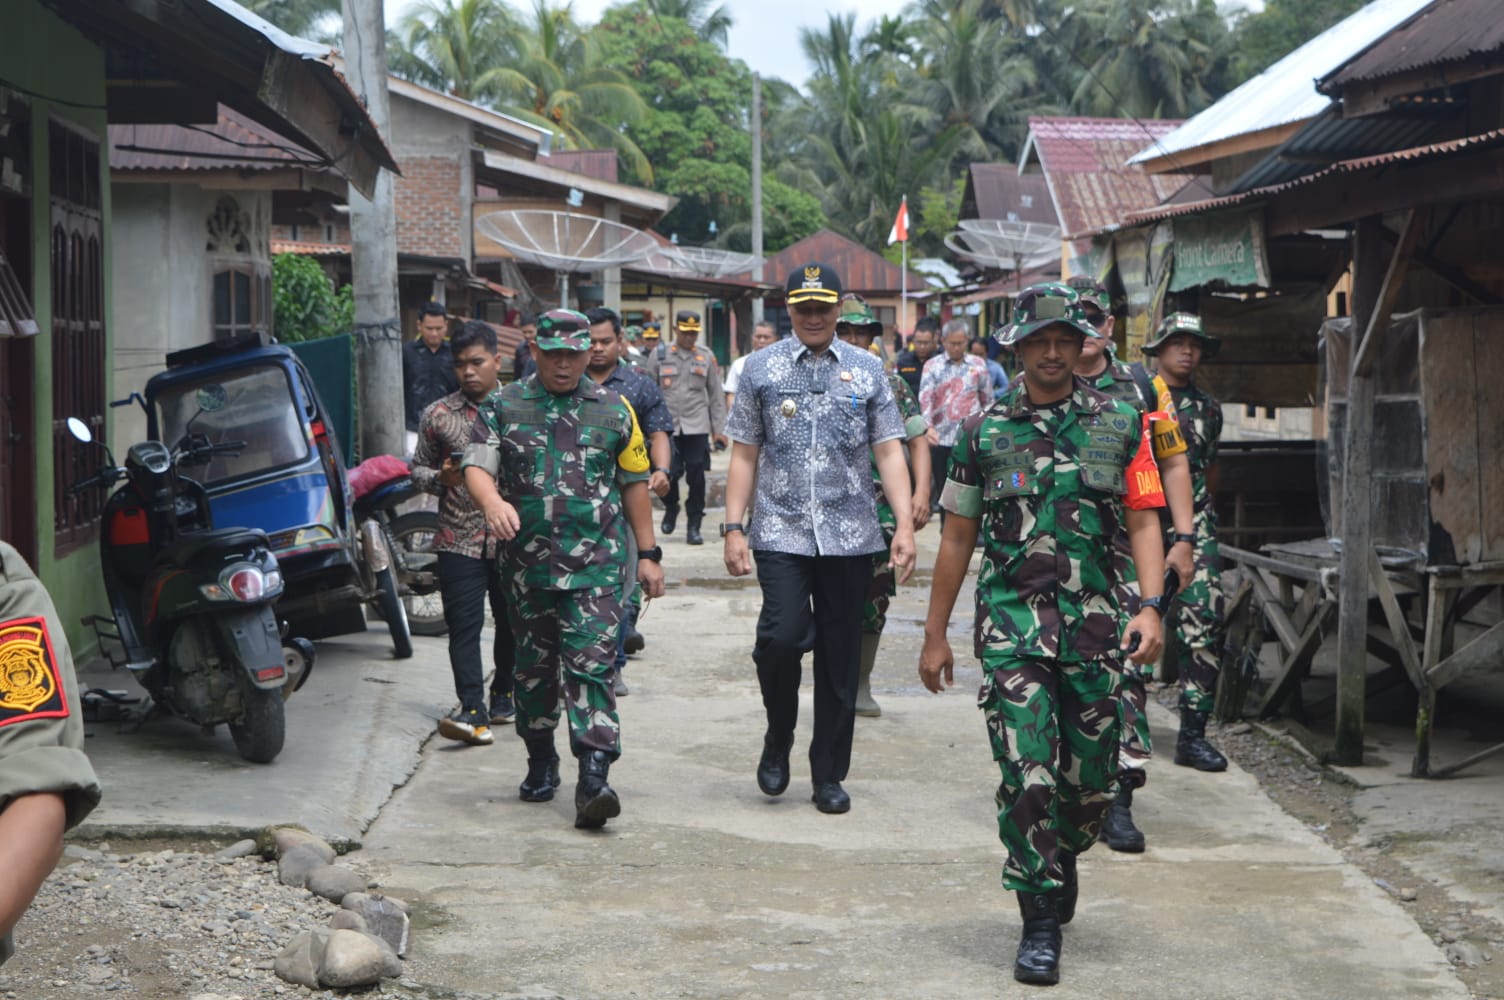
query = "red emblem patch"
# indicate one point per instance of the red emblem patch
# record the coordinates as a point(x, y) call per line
point(30, 687)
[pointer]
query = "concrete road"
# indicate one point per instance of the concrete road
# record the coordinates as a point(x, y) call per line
point(706, 888)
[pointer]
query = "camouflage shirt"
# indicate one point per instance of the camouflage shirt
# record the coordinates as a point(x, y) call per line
point(1047, 483)
point(1201, 421)
point(913, 426)
point(561, 461)
point(815, 419)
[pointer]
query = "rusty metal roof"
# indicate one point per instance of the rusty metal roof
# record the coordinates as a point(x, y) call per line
point(861, 270)
point(308, 248)
point(597, 163)
point(1445, 32)
point(999, 191)
point(233, 142)
point(1085, 162)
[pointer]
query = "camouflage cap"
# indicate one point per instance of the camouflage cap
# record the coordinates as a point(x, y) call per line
point(1045, 305)
point(563, 330)
point(1092, 291)
point(1182, 322)
point(856, 312)
point(632, 331)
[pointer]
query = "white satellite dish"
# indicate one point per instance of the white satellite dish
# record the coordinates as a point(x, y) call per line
point(698, 262)
point(1006, 245)
point(566, 242)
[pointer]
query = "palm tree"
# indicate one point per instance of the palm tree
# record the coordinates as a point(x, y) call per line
point(1148, 53)
point(557, 78)
point(974, 74)
point(710, 25)
point(450, 45)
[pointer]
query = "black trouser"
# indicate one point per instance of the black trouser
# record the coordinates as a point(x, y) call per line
point(939, 466)
point(812, 603)
point(691, 459)
point(464, 586)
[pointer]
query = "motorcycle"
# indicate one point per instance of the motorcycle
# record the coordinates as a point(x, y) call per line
point(192, 604)
point(380, 486)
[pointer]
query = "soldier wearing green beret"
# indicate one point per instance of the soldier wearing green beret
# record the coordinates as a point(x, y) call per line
point(558, 465)
point(1042, 476)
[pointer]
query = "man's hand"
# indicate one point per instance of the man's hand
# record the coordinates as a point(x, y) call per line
point(451, 474)
point(738, 555)
point(1182, 559)
point(932, 436)
point(1151, 636)
point(650, 575)
point(501, 518)
point(722, 442)
point(937, 665)
point(658, 483)
point(902, 555)
point(921, 507)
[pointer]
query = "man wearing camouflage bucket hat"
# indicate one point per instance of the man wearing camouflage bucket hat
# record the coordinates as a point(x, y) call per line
point(1179, 347)
point(561, 520)
point(1042, 476)
point(856, 325)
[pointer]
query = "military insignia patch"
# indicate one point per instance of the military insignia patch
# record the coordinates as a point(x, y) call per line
point(30, 687)
point(1018, 480)
point(812, 273)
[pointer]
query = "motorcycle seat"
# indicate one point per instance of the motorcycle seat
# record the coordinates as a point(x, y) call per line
point(191, 544)
point(387, 494)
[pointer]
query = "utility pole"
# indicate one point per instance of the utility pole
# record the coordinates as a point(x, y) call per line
point(373, 248)
point(757, 190)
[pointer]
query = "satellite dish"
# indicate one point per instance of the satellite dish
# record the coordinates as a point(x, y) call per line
point(1006, 245)
point(566, 242)
point(699, 262)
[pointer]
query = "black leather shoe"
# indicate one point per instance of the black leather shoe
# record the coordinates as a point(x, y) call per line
point(1038, 958)
point(830, 797)
point(1118, 831)
point(1191, 748)
point(633, 642)
point(594, 800)
point(670, 519)
point(773, 767)
point(692, 534)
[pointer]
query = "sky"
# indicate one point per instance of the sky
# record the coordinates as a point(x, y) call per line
point(764, 33)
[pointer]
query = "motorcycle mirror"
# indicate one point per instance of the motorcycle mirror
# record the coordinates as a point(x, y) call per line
point(212, 397)
point(80, 430)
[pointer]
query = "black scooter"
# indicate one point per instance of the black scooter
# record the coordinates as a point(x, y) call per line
point(192, 605)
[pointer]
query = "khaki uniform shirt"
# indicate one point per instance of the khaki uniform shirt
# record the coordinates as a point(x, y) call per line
point(691, 384)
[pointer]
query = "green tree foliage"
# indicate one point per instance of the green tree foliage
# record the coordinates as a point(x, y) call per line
point(1283, 26)
point(315, 19)
point(305, 305)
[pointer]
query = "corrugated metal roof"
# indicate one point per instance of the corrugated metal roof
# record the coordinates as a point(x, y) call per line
point(999, 191)
point(597, 163)
point(1084, 161)
point(1329, 137)
point(1446, 31)
point(1435, 150)
point(860, 269)
point(310, 249)
point(1285, 92)
point(233, 142)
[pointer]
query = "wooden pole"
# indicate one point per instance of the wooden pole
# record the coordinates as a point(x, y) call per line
point(1375, 291)
point(756, 123)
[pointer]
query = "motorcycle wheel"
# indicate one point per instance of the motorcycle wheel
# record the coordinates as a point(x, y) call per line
point(412, 535)
point(260, 733)
point(389, 603)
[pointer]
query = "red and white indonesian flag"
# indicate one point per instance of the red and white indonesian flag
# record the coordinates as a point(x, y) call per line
point(900, 231)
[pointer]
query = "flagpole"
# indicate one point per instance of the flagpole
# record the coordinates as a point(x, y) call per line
point(903, 278)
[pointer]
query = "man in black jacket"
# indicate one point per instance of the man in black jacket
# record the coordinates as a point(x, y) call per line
point(427, 367)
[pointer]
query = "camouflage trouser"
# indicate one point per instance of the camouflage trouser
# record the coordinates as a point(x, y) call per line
point(1054, 733)
point(567, 638)
point(1198, 613)
point(1134, 747)
point(881, 590)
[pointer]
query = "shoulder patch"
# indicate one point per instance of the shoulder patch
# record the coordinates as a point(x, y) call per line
point(30, 687)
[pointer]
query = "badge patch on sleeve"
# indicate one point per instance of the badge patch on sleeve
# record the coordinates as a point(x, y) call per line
point(30, 687)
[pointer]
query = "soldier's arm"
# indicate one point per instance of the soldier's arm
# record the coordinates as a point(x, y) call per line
point(895, 476)
point(957, 542)
point(1175, 474)
point(919, 468)
point(1149, 560)
point(481, 463)
point(716, 399)
point(639, 511)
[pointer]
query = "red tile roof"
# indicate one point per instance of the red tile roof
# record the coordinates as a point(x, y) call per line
point(234, 142)
point(999, 191)
point(860, 269)
point(1085, 161)
point(308, 248)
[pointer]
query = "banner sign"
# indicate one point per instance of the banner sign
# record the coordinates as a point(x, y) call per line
point(1224, 250)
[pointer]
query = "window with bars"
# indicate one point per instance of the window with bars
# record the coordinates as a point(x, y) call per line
point(78, 330)
point(242, 299)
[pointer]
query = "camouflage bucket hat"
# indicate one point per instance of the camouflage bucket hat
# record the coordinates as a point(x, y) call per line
point(856, 312)
point(1042, 306)
point(1181, 322)
point(1092, 292)
point(563, 330)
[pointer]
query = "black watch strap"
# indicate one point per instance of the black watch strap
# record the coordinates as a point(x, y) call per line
point(1181, 536)
point(1157, 603)
point(731, 526)
point(655, 553)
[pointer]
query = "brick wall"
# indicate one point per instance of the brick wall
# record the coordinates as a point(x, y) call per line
point(431, 207)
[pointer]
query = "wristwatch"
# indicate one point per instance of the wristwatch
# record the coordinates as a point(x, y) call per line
point(731, 526)
point(657, 468)
point(655, 553)
point(1181, 536)
point(1158, 603)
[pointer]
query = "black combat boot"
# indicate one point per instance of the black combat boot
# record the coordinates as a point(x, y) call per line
point(542, 767)
point(773, 766)
point(1066, 896)
point(1118, 831)
point(1191, 748)
point(670, 519)
point(1038, 958)
point(692, 534)
point(594, 800)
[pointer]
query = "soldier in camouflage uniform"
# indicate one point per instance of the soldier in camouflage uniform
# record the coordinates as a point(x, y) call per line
point(1134, 386)
point(557, 463)
point(1041, 475)
point(856, 325)
point(1179, 347)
